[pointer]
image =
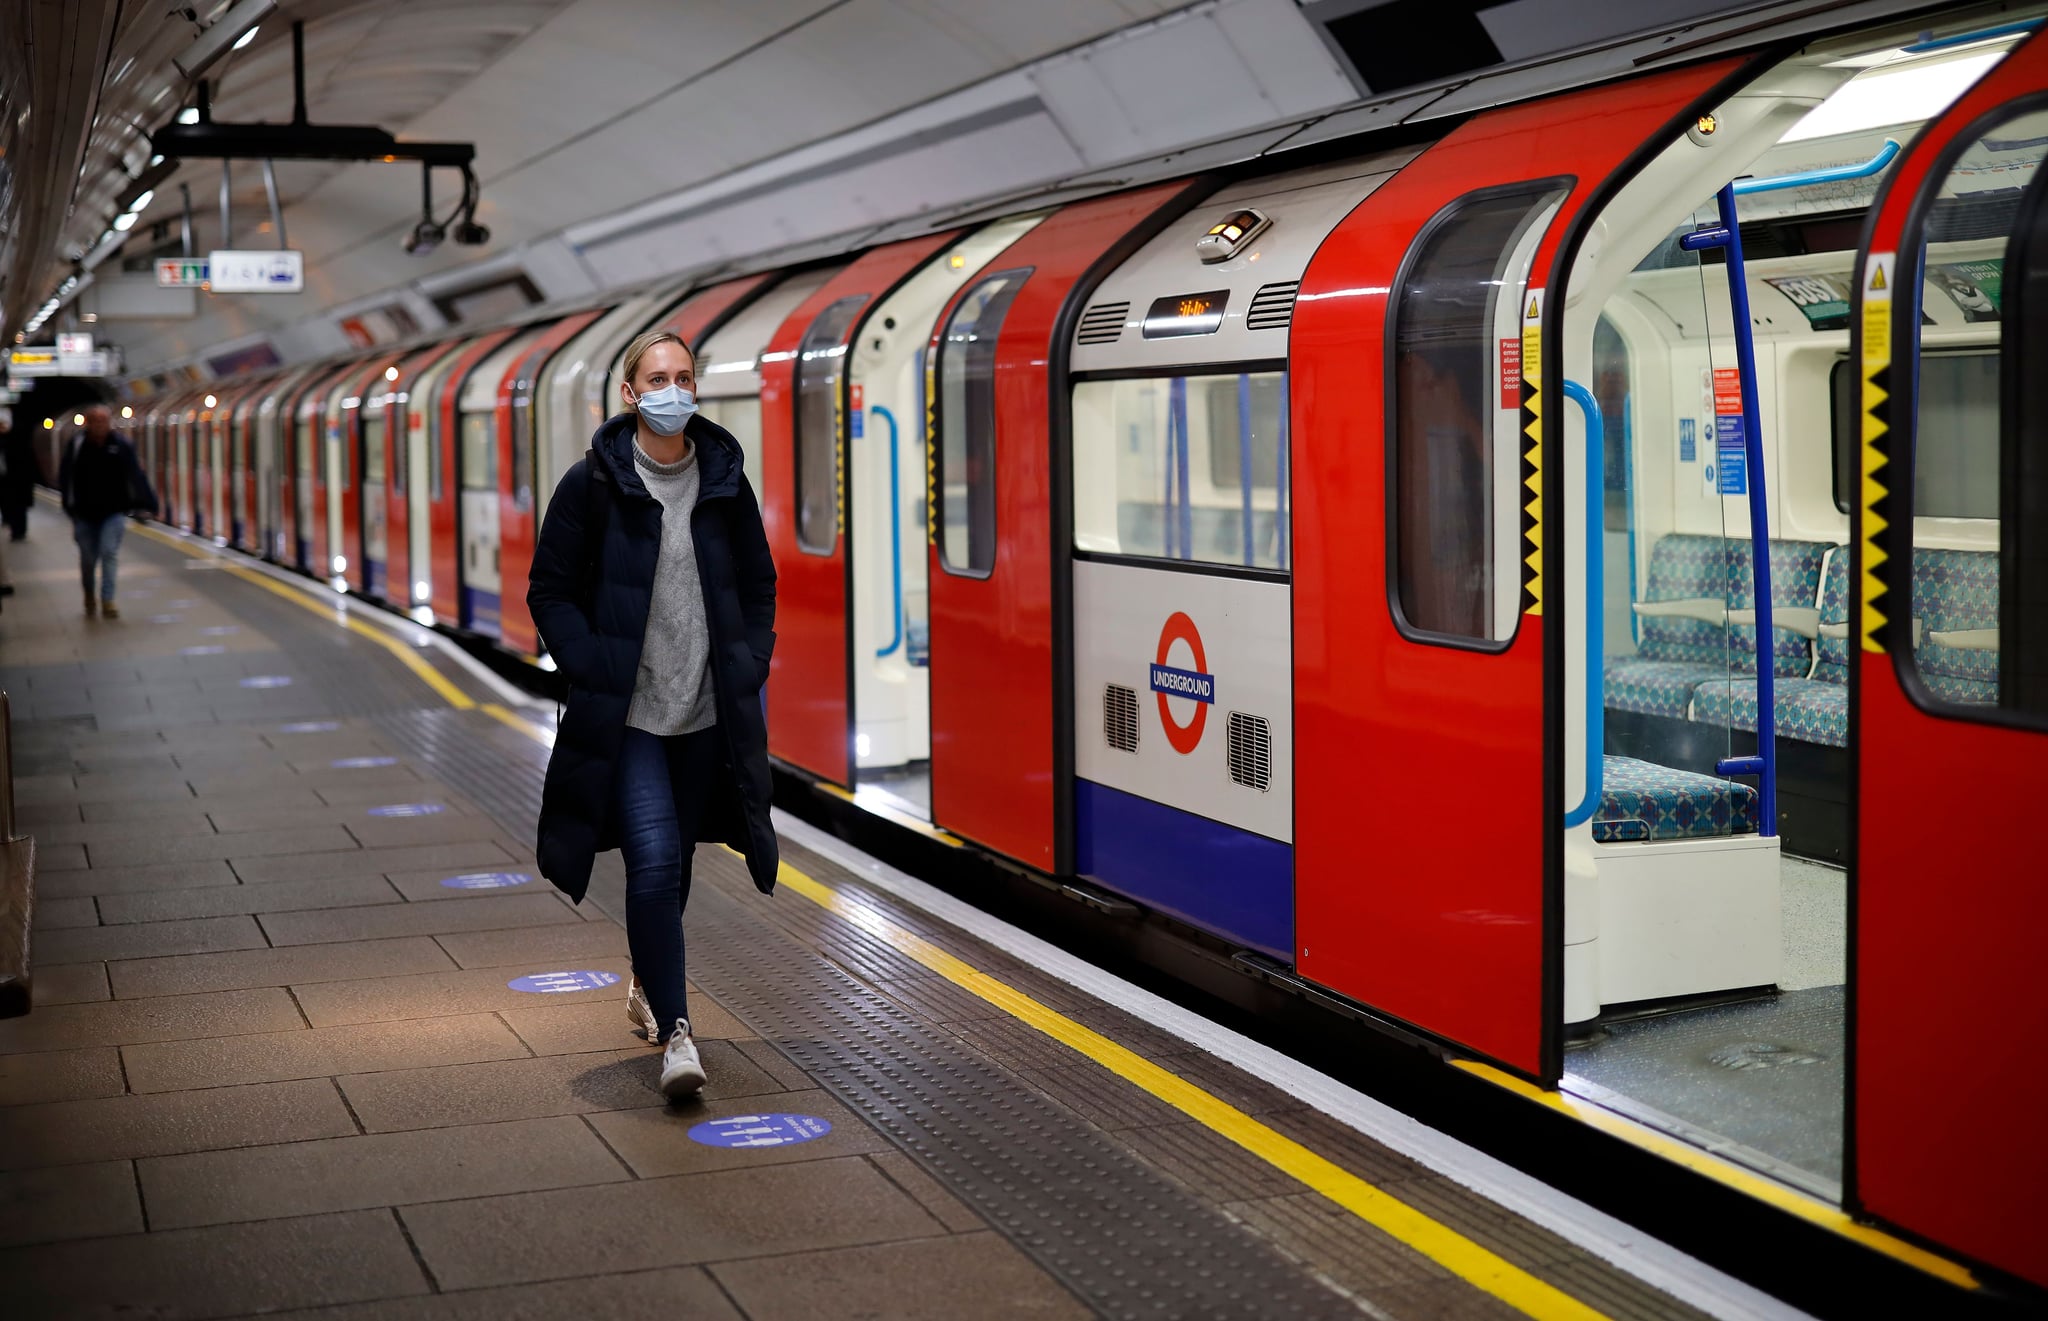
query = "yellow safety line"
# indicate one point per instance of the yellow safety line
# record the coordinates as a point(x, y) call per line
point(1812, 1209)
point(538, 733)
point(1477, 1265)
point(407, 657)
point(897, 815)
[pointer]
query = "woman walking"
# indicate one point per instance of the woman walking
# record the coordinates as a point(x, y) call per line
point(654, 593)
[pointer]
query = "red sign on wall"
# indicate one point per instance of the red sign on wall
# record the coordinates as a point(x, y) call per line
point(1511, 371)
point(1727, 392)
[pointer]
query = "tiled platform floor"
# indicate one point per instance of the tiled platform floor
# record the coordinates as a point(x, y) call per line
point(275, 1065)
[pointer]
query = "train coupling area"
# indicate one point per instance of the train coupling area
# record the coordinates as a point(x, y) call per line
point(310, 1031)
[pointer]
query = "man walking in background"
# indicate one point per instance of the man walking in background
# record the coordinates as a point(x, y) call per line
point(102, 483)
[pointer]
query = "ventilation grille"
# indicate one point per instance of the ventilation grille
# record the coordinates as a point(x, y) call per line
point(1250, 741)
point(1103, 323)
point(1120, 717)
point(1272, 307)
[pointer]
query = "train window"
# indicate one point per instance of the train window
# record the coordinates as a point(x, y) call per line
point(1456, 304)
point(741, 417)
point(522, 447)
point(374, 426)
point(820, 365)
point(964, 460)
point(479, 452)
point(1162, 468)
point(1978, 635)
point(1956, 475)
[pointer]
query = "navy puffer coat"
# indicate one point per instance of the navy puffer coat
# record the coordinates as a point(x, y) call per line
point(590, 603)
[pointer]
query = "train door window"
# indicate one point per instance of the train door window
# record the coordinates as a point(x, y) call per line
point(375, 421)
point(479, 452)
point(1454, 470)
point(1183, 467)
point(522, 445)
point(1977, 458)
point(965, 457)
point(742, 418)
point(820, 366)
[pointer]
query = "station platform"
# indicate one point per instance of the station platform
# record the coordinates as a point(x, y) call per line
point(311, 1036)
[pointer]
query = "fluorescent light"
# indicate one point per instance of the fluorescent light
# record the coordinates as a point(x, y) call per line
point(143, 201)
point(1905, 95)
point(125, 221)
point(156, 160)
point(189, 115)
point(246, 38)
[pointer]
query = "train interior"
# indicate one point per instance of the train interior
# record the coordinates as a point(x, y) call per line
point(1706, 961)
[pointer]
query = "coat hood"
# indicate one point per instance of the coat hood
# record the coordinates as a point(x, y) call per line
point(718, 456)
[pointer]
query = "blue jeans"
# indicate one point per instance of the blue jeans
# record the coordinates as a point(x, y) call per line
point(661, 787)
point(99, 549)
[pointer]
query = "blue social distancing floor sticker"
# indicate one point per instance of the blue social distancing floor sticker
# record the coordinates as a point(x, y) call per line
point(408, 809)
point(360, 763)
point(267, 681)
point(558, 983)
point(759, 1130)
point(310, 727)
point(486, 880)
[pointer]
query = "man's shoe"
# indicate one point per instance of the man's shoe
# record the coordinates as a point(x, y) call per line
point(108, 610)
point(92, 603)
point(682, 1073)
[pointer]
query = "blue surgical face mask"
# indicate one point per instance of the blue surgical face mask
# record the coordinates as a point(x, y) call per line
point(667, 410)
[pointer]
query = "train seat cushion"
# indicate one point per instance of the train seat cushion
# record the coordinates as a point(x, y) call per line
point(1956, 591)
point(1653, 687)
point(1810, 710)
point(1684, 567)
point(1641, 801)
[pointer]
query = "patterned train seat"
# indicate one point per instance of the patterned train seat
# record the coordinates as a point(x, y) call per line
point(1678, 653)
point(1640, 800)
point(1955, 617)
point(1814, 709)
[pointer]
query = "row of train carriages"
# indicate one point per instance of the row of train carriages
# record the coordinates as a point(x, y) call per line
point(1382, 565)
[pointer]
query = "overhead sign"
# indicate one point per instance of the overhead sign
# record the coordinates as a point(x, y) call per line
point(73, 345)
point(25, 363)
point(180, 272)
point(256, 271)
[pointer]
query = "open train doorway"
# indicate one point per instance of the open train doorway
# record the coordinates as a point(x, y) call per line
point(887, 469)
point(1710, 480)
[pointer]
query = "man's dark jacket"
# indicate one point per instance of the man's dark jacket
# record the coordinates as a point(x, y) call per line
point(590, 603)
point(100, 481)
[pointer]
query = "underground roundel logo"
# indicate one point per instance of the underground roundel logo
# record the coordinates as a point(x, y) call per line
point(1196, 685)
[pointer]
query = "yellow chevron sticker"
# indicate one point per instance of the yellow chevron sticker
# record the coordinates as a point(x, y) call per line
point(1532, 458)
point(1877, 358)
point(931, 454)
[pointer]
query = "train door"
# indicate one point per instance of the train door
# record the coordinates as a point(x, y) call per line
point(729, 368)
point(477, 465)
point(426, 477)
point(803, 504)
point(1426, 560)
point(890, 632)
point(308, 490)
point(576, 375)
point(379, 475)
point(187, 456)
point(441, 406)
point(220, 476)
point(350, 490)
point(1182, 716)
point(1949, 639)
point(522, 469)
point(998, 660)
point(245, 517)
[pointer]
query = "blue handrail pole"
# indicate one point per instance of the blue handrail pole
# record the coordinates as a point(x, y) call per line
point(1596, 603)
point(1280, 480)
point(1833, 174)
point(1244, 458)
point(895, 535)
point(1727, 235)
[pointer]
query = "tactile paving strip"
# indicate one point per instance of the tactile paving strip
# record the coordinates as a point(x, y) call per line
point(1129, 1241)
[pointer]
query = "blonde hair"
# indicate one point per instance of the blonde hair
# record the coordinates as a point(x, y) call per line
point(647, 340)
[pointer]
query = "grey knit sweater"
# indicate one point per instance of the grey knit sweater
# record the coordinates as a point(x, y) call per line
point(673, 693)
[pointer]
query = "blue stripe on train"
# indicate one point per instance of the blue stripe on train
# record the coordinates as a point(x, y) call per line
point(480, 612)
point(1229, 881)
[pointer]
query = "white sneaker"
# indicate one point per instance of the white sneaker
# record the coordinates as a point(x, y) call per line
point(682, 1073)
point(640, 1012)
